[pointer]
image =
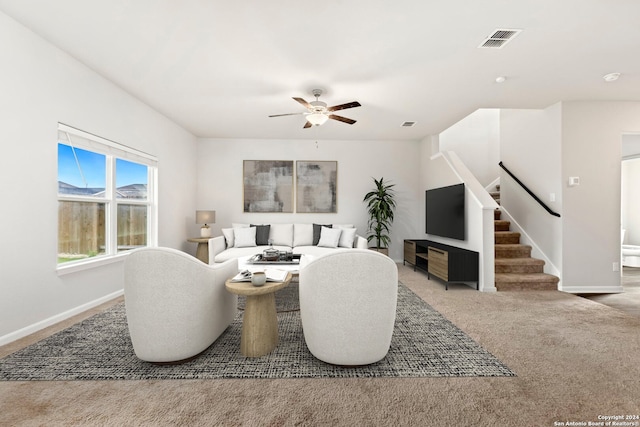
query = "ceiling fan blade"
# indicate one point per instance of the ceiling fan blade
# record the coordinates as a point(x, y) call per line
point(288, 114)
point(306, 125)
point(303, 102)
point(344, 106)
point(342, 119)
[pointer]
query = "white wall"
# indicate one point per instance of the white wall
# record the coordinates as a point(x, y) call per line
point(220, 181)
point(531, 149)
point(476, 140)
point(631, 188)
point(591, 149)
point(41, 86)
point(631, 201)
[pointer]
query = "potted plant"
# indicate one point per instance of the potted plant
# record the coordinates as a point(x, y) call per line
point(380, 206)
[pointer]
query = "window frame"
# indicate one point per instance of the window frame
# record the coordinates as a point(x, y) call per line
point(111, 150)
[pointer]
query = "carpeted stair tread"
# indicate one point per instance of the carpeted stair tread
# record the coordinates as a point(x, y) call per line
point(534, 261)
point(527, 281)
point(507, 237)
point(512, 250)
point(502, 225)
point(519, 265)
point(520, 277)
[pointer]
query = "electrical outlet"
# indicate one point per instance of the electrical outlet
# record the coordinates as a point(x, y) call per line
point(552, 197)
point(616, 266)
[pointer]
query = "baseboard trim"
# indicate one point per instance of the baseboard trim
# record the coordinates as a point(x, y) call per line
point(21, 333)
point(592, 289)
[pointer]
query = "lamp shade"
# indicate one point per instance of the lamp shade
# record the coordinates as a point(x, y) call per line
point(205, 217)
point(317, 118)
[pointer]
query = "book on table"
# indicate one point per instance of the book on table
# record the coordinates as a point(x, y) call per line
point(273, 275)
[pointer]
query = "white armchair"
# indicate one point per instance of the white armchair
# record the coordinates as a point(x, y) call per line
point(348, 306)
point(176, 305)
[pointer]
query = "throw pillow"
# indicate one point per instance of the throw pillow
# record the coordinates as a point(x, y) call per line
point(234, 225)
point(347, 237)
point(343, 226)
point(316, 232)
point(244, 237)
point(262, 234)
point(329, 237)
point(228, 236)
point(302, 234)
point(281, 234)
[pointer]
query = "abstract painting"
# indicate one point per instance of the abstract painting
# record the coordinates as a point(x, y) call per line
point(268, 185)
point(317, 186)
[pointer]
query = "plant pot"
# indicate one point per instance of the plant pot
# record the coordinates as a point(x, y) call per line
point(384, 251)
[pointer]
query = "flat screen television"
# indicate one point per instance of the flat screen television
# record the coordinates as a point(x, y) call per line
point(445, 212)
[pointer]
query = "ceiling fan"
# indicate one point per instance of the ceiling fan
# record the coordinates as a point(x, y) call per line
point(318, 112)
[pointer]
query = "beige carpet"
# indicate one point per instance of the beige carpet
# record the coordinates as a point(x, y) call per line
point(575, 360)
point(627, 301)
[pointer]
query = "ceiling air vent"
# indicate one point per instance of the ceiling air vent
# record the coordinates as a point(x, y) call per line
point(408, 124)
point(499, 38)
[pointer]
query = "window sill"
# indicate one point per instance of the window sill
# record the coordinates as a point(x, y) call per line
point(73, 267)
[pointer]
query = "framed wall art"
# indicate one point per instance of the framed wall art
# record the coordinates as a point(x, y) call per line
point(267, 185)
point(317, 186)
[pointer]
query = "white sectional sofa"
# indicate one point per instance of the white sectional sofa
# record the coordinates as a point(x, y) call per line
point(243, 240)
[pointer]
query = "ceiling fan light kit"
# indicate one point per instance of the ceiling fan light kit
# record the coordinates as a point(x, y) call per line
point(318, 113)
point(317, 119)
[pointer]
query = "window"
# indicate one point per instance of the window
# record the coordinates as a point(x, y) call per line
point(106, 203)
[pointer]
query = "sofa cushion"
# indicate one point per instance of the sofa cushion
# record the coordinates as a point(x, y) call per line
point(244, 237)
point(281, 234)
point(316, 232)
point(302, 234)
point(262, 234)
point(347, 237)
point(329, 237)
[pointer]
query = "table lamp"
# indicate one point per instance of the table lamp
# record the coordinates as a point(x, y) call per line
point(205, 217)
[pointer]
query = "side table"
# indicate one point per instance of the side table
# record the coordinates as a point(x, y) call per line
point(259, 321)
point(202, 251)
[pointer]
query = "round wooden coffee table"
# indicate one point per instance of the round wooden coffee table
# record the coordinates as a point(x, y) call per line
point(259, 322)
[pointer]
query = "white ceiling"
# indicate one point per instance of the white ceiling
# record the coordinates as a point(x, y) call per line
point(219, 68)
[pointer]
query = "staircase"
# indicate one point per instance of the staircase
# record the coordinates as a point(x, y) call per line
point(515, 270)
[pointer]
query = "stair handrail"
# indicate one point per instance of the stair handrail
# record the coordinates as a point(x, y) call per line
point(536, 198)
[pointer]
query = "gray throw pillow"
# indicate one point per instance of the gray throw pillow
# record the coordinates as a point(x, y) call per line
point(317, 228)
point(262, 234)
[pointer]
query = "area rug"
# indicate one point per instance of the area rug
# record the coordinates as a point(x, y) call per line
point(424, 344)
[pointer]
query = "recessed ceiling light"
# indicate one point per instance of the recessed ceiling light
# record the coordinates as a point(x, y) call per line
point(500, 79)
point(611, 77)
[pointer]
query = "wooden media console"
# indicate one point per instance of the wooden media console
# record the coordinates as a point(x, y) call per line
point(448, 263)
